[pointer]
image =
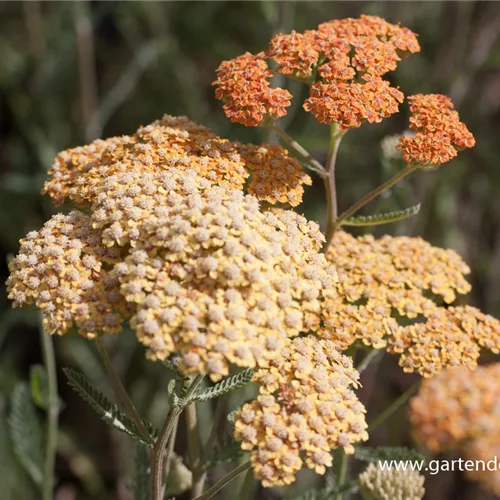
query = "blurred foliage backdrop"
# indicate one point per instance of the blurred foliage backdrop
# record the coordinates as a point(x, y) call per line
point(74, 71)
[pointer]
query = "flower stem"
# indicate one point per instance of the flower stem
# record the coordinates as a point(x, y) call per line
point(373, 355)
point(121, 392)
point(158, 454)
point(247, 488)
point(52, 414)
point(343, 463)
point(223, 482)
point(376, 192)
point(392, 408)
point(194, 450)
point(330, 185)
point(313, 164)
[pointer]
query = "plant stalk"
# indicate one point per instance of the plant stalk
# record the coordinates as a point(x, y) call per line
point(330, 185)
point(373, 355)
point(52, 415)
point(342, 471)
point(392, 408)
point(376, 192)
point(194, 450)
point(121, 392)
point(223, 482)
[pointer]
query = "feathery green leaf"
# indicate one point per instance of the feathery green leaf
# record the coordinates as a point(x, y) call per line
point(385, 218)
point(140, 483)
point(26, 432)
point(224, 386)
point(366, 454)
point(107, 410)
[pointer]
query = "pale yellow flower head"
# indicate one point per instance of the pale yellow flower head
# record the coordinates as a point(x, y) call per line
point(391, 484)
point(64, 270)
point(215, 280)
point(306, 409)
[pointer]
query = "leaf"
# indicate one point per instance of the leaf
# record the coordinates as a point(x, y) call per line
point(366, 454)
point(140, 483)
point(225, 451)
point(38, 386)
point(26, 432)
point(347, 489)
point(107, 410)
point(228, 384)
point(378, 219)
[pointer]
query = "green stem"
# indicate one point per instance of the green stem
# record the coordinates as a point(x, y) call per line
point(314, 165)
point(223, 482)
point(376, 192)
point(247, 488)
point(170, 448)
point(121, 392)
point(158, 455)
point(52, 415)
point(330, 185)
point(373, 355)
point(194, 450)
point(393, 407)
point(216, 421)
point(343, 463)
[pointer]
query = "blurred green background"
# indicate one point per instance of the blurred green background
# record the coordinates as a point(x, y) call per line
point(74, 71)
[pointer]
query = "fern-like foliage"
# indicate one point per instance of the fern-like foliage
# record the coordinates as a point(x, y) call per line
point(385, 218)
point(107, 410)
point(225, 451)
point(366, 454)
point(224, 386)
point(26, 432)
point(346, 490)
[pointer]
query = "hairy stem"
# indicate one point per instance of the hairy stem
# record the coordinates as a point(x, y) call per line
point(330, 185)
point(392, 408)
point(121, 392)
point(376, 192)
point(158, 453)
point(313, 164)
point(373, 355)
point(52, 414)
point(194, 450)
point(223, 482)
point(170, 448)
point(343, 462)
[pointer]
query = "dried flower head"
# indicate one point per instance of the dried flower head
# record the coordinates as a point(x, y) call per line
point(457, 406)
point(78, 174)
point(243, 84)
point(216, 280)
point(391, 484)
point(306, 408)
point(64, 270)
point(439, 131)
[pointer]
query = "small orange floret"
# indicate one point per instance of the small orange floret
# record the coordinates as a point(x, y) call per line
point(243, 85)
point(439, 131)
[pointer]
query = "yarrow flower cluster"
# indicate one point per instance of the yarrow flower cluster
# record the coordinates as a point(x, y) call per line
point(306, 409)
point(215, 279)
point(390, 293)
point(343, 61)
point(439, 131)
point(391, 484)
point(64, 270)
point(459, 409)
point(77, 174)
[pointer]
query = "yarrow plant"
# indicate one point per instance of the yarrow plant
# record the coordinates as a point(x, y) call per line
point(191, 241)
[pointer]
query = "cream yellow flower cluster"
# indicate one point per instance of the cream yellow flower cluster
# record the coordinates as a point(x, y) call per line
point(306, 409)
point(176, 142)
point(459, 409)
point(391, 484)
point(215, 279)
point(390, 296)
point(64, 270)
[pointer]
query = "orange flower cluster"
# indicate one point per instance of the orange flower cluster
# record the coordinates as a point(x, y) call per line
point(439, 131)
point(384, 280)
point(243, 85)
point(343, 60)
point(349, 104)
point(306, 409)
point(78, 174)
point(459, 409)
